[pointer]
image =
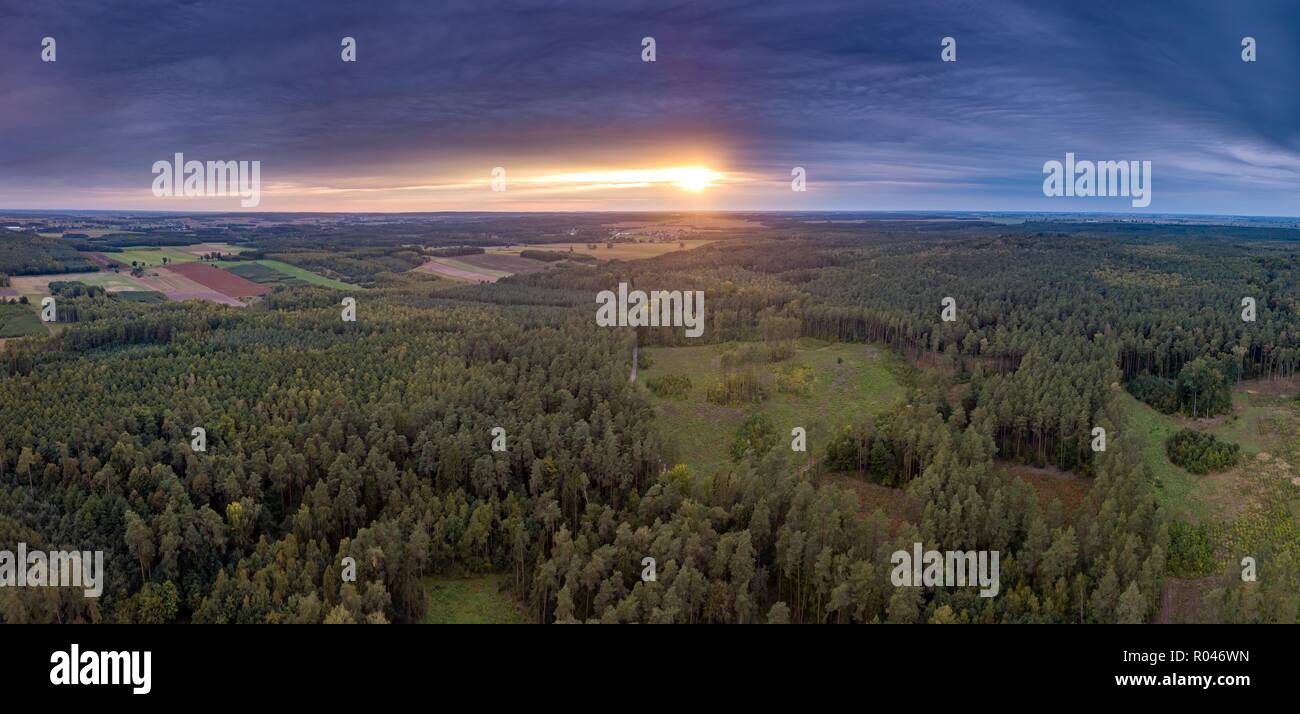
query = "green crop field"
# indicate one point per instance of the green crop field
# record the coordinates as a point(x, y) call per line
point(109, 280)
point(152, 257)
point(19, 321)
point(274, 272)
point(258, 273)
point(850, 382)
point(468, 601)
point(144, 296)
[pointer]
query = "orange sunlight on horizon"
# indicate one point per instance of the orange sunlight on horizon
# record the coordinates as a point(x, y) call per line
point(690, 178)
point(528, 187)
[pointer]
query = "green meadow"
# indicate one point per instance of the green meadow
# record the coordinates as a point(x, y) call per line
point(1246, 508)
point(469, 601)
point(849, 383)
point(19, 320)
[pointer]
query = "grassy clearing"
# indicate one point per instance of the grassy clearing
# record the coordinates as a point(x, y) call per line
point(1248, 507)
point(619, 251)
point(1053, 484)
point(851, 381)
point(1175, 486)
point(20, 321)
point(469, 601)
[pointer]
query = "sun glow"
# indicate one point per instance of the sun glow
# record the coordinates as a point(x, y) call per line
point(689, 178)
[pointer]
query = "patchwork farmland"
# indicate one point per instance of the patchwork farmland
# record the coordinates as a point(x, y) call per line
point(179, 287)
point(222, 281)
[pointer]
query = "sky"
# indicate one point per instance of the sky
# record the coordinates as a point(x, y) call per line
point(557, 95)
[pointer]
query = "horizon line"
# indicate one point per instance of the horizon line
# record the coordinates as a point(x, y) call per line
point(654, 211)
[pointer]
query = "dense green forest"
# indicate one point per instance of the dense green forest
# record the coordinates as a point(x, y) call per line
point(372, 439)
point(31, 254)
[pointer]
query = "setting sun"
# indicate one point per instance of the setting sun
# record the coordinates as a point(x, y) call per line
point(695, 178)
point(690, 178)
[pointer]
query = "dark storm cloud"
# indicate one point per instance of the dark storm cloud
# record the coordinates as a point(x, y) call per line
point(854, 91)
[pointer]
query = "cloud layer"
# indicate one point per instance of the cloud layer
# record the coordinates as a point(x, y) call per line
point(854, 92)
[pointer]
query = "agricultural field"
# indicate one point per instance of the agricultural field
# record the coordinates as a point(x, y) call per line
point(100, 259)
point(143, 296)
point(19, 321)
point(178, 287)
point(619, 251)
point(202, 249)
point(37, 285)
point(222, 281)
point(258, 273)
point(153, 257)
point(482, 268)
point(849, 382)
point(469, 601)
point(274, 272)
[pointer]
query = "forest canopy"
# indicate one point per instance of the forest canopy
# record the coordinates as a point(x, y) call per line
point(372, 440)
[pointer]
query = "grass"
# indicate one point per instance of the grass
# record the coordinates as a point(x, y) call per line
point(261, 274)
point(287, 274)
point(20, 321)
point(1176, 486)
point(223, 248)
point(1250, 507)
point(469, 601)
point(113, 282)
point(35, 286)
point(152, 257)
point(851, 381)
point(620, 251)
point(143, 296)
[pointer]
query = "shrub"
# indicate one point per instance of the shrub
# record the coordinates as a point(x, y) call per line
point(670, 386)
point(756, 436)
point(794, 379)
point(1201, 453)
point(737, 388)
point(1190, 555)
